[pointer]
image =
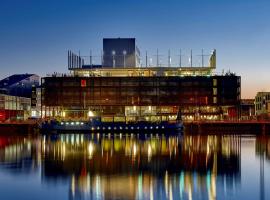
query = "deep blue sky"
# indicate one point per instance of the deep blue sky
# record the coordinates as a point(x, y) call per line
point(36, 34)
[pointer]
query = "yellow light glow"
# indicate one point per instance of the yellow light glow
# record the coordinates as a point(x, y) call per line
point(90, 150)
point(90, 113)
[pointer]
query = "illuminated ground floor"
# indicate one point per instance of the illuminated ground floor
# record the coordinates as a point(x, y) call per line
point(142, 113)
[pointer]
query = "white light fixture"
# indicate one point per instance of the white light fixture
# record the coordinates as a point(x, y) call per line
point(90, 113)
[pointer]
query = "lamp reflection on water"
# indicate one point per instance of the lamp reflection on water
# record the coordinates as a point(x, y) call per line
point(189, 167)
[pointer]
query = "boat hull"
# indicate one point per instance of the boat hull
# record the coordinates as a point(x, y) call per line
point(112, 127)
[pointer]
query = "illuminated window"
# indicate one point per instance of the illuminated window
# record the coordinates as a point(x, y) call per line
point(214, 82)
point(214, 91)
point(214, 99)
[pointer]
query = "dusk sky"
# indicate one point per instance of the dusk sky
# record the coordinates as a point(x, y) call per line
point(36, 34)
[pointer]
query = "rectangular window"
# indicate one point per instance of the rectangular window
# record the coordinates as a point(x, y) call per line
point(214, 99)
point(214, 82)
point(214, 91)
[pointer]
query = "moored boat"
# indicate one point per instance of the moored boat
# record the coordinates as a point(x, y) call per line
point(96, 125)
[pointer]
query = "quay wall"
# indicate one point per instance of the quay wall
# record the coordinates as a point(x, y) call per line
point(227, 127)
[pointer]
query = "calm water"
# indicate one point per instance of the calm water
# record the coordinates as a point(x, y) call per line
point(90, 167)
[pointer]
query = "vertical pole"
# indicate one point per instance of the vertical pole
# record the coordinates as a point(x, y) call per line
point(157, 59)
point(202, 59)
point(79, 59)
point(191, 57)
point(146, 59)
point(180, 60)
point(91, 57)
point(169, 58)
point(124, 54)
point(68, 59)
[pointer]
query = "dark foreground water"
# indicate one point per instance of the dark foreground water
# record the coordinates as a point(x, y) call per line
point(124, 167)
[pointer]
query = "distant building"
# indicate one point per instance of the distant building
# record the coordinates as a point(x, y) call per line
point(14, 108)
point(120, 53)
point(262, 104)
point(247, 109)
point(19, 85)
point(36, 102)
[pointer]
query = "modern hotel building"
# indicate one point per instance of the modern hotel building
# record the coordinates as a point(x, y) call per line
point(121, 89)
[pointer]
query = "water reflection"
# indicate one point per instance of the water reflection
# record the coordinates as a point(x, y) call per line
point(128, 167)
point(19, 154)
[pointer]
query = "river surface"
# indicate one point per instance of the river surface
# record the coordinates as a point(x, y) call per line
point(80, 166)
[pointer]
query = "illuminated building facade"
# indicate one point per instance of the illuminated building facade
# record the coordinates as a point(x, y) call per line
point(125, 93)
point(262, 104)
point(14, 107)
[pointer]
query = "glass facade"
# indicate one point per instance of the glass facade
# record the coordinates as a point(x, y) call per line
point(153, 98)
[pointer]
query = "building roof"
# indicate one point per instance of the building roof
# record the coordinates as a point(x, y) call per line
point(247, 101)
point(13, 79)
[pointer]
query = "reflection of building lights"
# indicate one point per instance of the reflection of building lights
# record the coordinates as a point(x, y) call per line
point(73, 185)
point(134, 149)
point(72, 139)
point(166, 183)
point(90, 150)
point(149, 151)
point(140, 186)
point(182, 183)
